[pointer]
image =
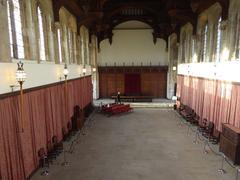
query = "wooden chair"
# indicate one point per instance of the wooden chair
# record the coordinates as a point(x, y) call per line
point(194, 119)
point(57, 146)
point(65, 134)
point(187, 113)
point(215, 138)
point(43, 160)
point(202, 127)
point(208, 132)
point(51, 155)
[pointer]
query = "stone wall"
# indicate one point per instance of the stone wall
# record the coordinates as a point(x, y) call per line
point(83, 53)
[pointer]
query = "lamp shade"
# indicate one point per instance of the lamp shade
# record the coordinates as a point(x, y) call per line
point(84, 70)
point(94, 69)
point(65, 70)
point(20, 73)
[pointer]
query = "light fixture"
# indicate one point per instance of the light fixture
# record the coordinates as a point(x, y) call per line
point(174, 68)
point(20, 73)
point(21, 77)
point(65, 71)
point(195, 58)
point(94, 69)
point(84, 71)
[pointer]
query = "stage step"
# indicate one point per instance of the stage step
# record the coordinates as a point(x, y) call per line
point(151, 105)
point(157, 103)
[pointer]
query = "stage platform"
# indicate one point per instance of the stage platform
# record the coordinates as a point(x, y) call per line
point(156, 103)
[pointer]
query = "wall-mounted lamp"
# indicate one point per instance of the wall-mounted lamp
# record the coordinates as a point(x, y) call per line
point(84, 71)
point(20, 73)
point(65, 71)
point(174, 68)
point(174, 98)
point(21, 77)
point(94, 69)
point(195, 58)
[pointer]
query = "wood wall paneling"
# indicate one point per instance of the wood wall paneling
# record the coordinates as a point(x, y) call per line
point(153, 80)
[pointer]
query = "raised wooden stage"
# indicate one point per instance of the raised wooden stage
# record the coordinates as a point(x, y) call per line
point(156, 103)
point(134, 98)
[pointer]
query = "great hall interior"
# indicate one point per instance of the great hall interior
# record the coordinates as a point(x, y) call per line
point(120, 89)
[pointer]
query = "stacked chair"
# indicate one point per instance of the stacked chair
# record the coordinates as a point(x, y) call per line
point(54, 147)
point(206, 128)
point(43, 159)
point(113, 109)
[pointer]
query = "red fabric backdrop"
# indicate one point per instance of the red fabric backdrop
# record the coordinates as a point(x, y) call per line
point(218, 101)
point(44, 116)
point(132, 84)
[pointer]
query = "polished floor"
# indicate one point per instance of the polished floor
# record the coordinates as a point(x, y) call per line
point(147, 144)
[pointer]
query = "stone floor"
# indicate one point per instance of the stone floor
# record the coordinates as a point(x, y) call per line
point(147, 144)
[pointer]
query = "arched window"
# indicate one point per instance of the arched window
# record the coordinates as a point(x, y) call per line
point(184, 47)
point(70, 46)
point(41, 35)
point(82, 44)
point(204, 42)
point(219, 40)
point(15, 29)
point(194, 60)
point(59, 45)
point(237, 40)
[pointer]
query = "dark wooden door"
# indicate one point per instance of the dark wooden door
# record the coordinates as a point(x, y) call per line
point(133, 84)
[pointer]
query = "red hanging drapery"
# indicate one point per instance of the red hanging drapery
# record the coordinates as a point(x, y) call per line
point(44, 115)
point(217, 101)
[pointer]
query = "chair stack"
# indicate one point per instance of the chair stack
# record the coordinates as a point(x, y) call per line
point(113, 109)
point(205, 127)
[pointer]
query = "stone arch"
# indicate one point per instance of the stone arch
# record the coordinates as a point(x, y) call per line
point(186, 42)
point(67, 19)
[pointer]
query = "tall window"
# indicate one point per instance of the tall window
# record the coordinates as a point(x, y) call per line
point(237, 40)
point(193, 51)
point(204, 42)
point(41, 35)
point(15, 29)
point(59, 45)
point(70, 46)
point(82, 48)
point(219, 40)
point(74, 41)
point(184, 47)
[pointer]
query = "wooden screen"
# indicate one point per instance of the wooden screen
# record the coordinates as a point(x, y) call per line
point(153, 80)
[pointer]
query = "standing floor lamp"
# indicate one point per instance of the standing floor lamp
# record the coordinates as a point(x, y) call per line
point(65, 73)
point(21, 77)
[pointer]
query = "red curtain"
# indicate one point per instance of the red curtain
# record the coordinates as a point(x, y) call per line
point(132, 84)
point(218, 101)
point(46, 112)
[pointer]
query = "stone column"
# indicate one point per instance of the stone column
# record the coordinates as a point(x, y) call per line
point(226, 37)
point(95, 81)
point(172, 65)
point(52, 39)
